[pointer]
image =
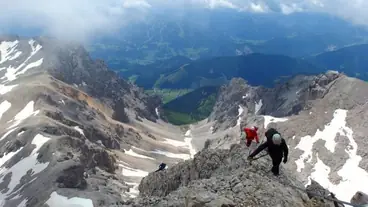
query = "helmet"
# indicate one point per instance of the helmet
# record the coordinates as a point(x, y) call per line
point(254, 128)
point(276, 139)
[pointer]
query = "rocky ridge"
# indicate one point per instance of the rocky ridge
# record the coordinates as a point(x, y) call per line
point(71, 131)
point(322, 118)
point(223, 178)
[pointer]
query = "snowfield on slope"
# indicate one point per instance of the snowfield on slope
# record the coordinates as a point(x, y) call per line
point(20, 169)
point(7, 49)
point(354, 178)
point(132, 172)
point(57, 200)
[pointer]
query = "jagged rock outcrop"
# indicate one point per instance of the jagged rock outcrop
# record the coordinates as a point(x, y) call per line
point(323, 119)
point(222, 178)
point(359, 198)
point(285, 99)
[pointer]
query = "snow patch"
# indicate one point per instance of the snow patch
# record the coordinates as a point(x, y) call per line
point(77, 128)
point(354, 178)
point(4, 106)
point(57, 200)
point(192, 151)
point(133, 191)
point(258, 106)
point(7, 157)
point(131, 172)
point(271, 119)
point(174, 142)
point(188, 133)
point(240, 111)
point(157, 113)
point(7, 48)
point(133, 154)
point(5, 89)
point(172, 155)
point(26, 112)
point(246, 95)
point(12, 73)
point(26, 164)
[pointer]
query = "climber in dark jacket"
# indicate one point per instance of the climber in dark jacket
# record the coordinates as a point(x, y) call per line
point(277, 149)
point(161, 167)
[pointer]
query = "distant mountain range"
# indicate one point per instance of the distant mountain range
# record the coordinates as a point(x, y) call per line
point(351, 60)
point(200, 33)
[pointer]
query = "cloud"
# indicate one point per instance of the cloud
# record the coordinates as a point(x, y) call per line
point(83, 19)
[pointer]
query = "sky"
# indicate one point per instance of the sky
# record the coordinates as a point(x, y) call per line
point(83, 19)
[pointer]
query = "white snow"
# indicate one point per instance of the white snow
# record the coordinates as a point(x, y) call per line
point(157, 113)
point(172, 155)
point(28, 163)
point(6, 49)
point(310, 113)
point(246, 95)
point(5, 89)
point(20, 133)
point(336, 125)
point(354, 178)
point(271, 119)
point(188, 133)
point(7, 133)
point(31, 65)
point(240, 111)
point(174, 142)
point(187, 144)
point(131, 172)
point(258, 106)
point(26, 112)
point(4, 106)
point(133, 191)
point(77, 128)
point(7, 157)
point(211, 129)
point(321, 172)
point(57, 200)
point(11, 72)
point(188, 141)
point(134, 154)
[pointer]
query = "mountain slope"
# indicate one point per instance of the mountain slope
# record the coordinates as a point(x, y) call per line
point(72, 131)
point(258, 69)
point(352, 60)
point(321, 117)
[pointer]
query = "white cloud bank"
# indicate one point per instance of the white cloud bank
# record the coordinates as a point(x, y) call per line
point(81, 19)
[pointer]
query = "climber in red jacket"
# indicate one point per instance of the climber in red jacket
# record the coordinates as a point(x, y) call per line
point(251, 134)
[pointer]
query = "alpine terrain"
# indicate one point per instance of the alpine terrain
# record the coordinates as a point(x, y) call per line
point(75, 134)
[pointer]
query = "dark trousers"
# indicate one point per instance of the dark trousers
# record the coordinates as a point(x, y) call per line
point(276, 161)
point(249, 141)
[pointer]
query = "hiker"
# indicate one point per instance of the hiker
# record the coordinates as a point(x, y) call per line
point(251, 134)
point(161, 167)
point(277, 149)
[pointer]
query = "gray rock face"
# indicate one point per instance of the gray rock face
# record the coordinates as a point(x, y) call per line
point(58, 139)
point(285, 99)
point(323, 119)
point(221, 178)
point(359, 198)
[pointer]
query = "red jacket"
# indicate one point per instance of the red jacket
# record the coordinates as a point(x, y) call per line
point(251, 134)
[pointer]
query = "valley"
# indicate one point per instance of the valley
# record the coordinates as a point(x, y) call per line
point(87, 116)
